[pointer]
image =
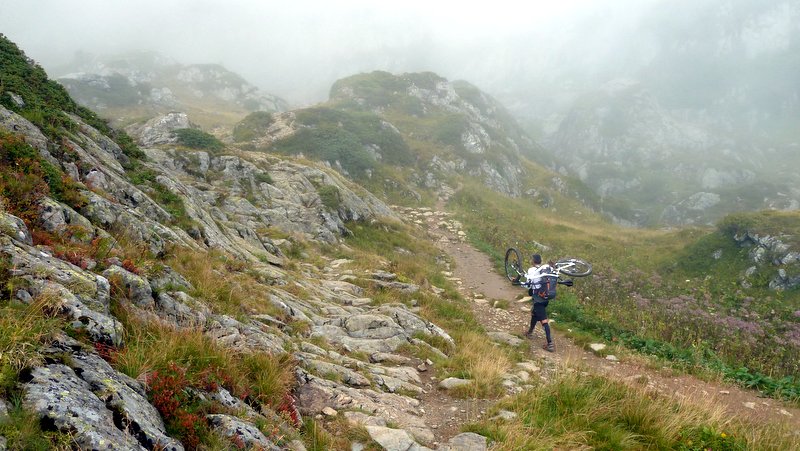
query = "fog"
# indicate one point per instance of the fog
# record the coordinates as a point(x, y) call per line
point(297, 49)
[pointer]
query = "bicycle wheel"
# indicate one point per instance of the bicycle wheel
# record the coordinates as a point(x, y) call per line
point(574, 267)
point(513, 265)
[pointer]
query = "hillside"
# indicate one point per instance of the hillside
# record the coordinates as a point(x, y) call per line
point(138, 86)
point(414, 137)
point(189, 294)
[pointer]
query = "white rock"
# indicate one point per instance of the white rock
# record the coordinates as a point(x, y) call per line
point(596, 347)
point(612, 358)
point(453, 382)
point(330, 412)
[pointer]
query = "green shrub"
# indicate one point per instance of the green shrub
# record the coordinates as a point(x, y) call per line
point(252, 126)
point(198, 139)
point(330, 196)
point(263, 177)
point(26, 178)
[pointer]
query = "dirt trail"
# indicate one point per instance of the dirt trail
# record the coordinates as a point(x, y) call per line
point(479, 282)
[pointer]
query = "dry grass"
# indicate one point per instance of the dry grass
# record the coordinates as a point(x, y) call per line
point(220, 281)
point(591, 412)
point(24, 330)
point(483, 362)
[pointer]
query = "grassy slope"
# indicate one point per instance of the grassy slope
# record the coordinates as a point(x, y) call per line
point(647, 282)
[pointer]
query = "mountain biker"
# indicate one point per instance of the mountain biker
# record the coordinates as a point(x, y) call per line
point(539, 308)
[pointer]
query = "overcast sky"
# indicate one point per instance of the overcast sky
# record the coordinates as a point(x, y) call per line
point(298, 48)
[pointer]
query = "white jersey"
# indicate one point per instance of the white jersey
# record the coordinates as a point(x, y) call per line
point(535, 273)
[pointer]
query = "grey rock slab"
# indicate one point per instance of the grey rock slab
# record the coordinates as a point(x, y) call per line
point(346, 375)
point(504, 415)
point(238, 336)
point(171, 307)
point(314, 394)
point(453, 382)
point(385, 357)
point(137, 288)
point(168, 279)
point(505, 337)
point(161, 129)
point(25, 260)
point(468, 441)
point(18, 125)
point(127, 398)
point(3, 410)
point(394, 439)
point(241, 432)
point(408, 288)
point(59, 397)
point(411, 322)
point(101, 327)
point(362, 419)
point(15, 228)
point(372, 326)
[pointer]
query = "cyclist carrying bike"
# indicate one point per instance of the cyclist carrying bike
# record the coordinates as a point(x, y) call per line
point(539, 309)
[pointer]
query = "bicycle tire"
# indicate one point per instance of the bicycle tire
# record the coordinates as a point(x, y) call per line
point(513, 265)
point(579, 268)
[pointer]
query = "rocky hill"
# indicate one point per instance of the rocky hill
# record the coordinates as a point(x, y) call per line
point(140, 85)
point(165, 297)
point(412, 137)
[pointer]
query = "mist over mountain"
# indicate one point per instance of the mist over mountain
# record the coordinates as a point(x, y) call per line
point(140, 85)
point(680, 110)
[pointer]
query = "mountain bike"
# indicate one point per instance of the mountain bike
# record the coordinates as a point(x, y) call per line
point(573, 267)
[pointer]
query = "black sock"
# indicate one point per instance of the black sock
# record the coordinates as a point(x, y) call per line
point(533, 324)
point(547, 332)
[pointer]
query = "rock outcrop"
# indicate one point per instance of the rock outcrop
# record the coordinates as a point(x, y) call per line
point(773, 255)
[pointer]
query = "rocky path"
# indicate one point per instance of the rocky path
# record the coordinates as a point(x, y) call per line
point(477, 280)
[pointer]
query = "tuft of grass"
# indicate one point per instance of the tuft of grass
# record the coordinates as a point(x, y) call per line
point(219, 280)
point(23, 430)
point(270, 377)
point(24, 331)
point(481, 361)
point(317, 438)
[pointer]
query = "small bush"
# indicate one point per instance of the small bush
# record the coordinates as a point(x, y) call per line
point(26, 178)
point(198, 139)
point(252, 126)
point(330, 197)
point(24, 330)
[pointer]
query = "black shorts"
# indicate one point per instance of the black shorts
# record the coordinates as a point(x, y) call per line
point(539, 310)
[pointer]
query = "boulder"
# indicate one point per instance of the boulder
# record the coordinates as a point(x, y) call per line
point(240, 432)
point(160, 130)
point(453, 382)
point(127, 400)
point(394, 439)
point(66, 402)
point(505, 337)
point(15, 228)
point(468, 441)
point(135, 288)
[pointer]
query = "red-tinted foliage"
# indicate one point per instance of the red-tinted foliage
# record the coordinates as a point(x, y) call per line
point(289, 406)
point(169, 396)
point(106, 352)
point(129, 265)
